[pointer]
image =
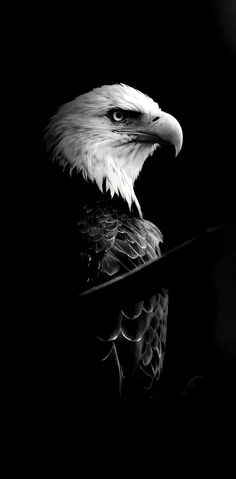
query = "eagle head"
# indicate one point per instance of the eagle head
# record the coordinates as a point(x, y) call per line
point(107, 134)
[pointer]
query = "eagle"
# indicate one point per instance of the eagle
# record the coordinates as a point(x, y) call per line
point(102, 139)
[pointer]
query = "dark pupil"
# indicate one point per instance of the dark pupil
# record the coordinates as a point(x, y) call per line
point(118, 115)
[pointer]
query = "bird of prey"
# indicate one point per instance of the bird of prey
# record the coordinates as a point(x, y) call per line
point(104, 137)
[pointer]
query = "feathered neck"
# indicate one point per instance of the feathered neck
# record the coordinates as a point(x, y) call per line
point(118, 174)
point(116, 180)
point(81, 194)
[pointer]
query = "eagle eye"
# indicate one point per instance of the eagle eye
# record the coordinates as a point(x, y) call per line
point(118, 115)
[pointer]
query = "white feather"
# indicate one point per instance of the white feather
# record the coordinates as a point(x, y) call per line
point(81, 134)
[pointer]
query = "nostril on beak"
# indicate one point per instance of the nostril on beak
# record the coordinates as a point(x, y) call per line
point(156, 118)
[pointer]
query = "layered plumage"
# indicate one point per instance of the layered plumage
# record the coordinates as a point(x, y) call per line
point(106, 135)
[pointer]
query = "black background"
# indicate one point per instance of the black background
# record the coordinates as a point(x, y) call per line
point(181, 54)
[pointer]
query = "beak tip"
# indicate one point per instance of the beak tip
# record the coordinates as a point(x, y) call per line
point(177, 150)
point(178, 147)
point(173, 132)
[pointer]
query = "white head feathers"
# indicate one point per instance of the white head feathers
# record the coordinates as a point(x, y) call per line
point(107, 134)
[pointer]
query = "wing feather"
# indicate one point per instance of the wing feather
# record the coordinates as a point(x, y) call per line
point(114, 242)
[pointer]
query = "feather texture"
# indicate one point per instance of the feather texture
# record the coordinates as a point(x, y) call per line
point(114, 242)
point(110, 242)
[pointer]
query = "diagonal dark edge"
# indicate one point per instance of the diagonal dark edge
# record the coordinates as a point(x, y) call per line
point(166, 271)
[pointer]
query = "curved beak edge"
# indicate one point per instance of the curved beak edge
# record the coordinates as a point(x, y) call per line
point(168, 130)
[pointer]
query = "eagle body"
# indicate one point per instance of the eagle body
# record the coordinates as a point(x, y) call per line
point(110, 242)
point(105, 136)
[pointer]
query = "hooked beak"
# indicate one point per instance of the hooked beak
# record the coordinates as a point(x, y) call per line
point(165, 130)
